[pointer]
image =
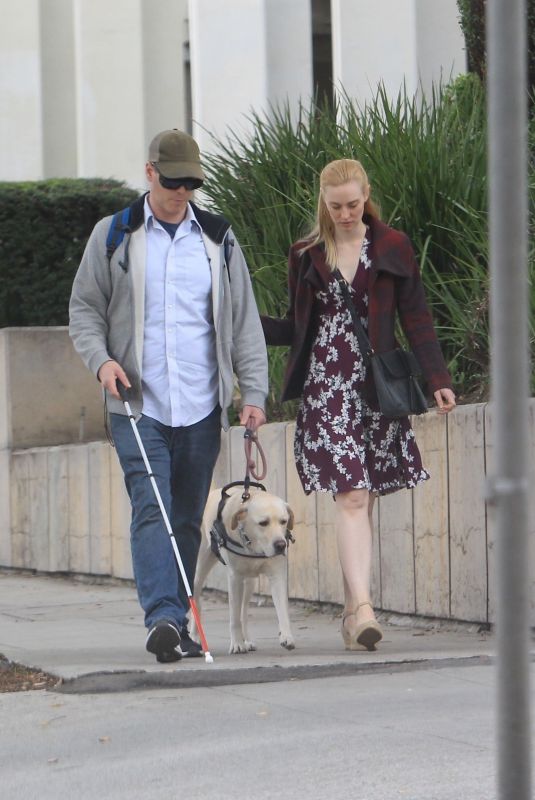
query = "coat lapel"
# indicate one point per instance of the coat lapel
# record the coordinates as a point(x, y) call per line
point(318, 272)
point(385, 252)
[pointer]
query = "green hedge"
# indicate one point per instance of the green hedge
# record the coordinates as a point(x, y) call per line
point(44, 226)
point(472, 21)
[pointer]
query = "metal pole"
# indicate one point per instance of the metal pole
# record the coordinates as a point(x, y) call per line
point(507, 117)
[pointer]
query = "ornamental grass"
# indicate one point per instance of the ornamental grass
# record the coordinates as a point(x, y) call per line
point(426, 161)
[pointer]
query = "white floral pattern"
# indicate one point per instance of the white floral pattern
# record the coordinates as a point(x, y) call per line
point(340, 443)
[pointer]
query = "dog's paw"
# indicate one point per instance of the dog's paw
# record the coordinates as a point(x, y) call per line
point(250, 645)
point(287, 641)
point(238, 647)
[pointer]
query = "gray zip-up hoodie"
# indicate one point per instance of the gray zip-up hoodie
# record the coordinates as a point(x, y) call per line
point(107, 311)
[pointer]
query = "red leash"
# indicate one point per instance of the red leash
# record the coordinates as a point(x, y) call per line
point(250, 438)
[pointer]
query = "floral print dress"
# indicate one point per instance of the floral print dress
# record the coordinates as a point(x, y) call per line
point(340, 443)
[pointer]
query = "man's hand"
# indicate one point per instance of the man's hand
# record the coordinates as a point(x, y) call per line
point(252, 417)
point(109, 373)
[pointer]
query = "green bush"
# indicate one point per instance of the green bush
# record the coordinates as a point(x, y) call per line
point(472, 21)
point(426, 161)
point(44, 226)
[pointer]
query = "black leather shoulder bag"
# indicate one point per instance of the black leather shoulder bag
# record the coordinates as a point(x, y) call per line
point(395, 373)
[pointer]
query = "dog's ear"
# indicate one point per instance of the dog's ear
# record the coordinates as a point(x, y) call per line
point(237, 517)
point(290, 524)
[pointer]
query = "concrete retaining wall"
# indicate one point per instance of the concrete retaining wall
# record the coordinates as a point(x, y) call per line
point(63, 506)
point(47, 396)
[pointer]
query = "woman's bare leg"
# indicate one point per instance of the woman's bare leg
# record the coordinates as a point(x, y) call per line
point(354, 538)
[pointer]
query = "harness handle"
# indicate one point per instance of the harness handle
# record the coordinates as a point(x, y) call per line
point(250, 437)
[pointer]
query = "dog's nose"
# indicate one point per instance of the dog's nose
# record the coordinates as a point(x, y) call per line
point(279, 545)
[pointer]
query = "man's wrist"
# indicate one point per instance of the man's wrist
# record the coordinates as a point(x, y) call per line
point(108, 361)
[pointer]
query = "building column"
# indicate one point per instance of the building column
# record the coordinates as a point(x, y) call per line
point(440, 43)
point(21, 152)
point(165, 33)
point(59, 89)
point(398, 43)
point(289, 52)
point(246, 55)
point(228, 65)
point(110, 106)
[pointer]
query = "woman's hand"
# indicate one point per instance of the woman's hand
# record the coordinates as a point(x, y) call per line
point(445, 400)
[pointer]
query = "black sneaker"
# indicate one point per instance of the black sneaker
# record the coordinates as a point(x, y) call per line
point(162, 640)
point(189, 648)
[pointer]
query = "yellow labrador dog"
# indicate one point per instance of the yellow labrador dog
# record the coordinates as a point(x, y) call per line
point(251, 536)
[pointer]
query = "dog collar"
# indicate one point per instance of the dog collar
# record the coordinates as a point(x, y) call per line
point(219, 539)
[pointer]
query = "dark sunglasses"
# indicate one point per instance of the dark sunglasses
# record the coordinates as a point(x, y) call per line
point(189, 184)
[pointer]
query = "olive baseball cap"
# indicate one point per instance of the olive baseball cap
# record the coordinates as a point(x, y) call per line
point(176, 155)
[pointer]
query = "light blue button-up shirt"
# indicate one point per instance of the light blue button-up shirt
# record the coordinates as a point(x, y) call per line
point(179, 372)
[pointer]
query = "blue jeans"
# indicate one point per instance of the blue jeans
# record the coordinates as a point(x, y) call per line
point(182, 462)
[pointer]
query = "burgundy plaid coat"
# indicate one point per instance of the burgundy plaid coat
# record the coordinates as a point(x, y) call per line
point(394, 285)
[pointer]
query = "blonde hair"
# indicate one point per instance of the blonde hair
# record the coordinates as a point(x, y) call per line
point(336, 173)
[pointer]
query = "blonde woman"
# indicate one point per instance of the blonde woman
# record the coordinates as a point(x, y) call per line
point(343, 444)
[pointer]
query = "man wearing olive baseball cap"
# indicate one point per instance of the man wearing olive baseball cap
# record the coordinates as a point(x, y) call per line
point(170, 314)
point(176, 155)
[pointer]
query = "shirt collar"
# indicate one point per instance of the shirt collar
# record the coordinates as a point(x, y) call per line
point(149, 216)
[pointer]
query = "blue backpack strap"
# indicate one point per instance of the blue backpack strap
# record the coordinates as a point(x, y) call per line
point(118, 228)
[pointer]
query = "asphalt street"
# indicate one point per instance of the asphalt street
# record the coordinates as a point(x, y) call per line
point(423, 735)
point(412, 720)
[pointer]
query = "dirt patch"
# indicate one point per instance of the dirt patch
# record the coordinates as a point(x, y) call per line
point(18, 678)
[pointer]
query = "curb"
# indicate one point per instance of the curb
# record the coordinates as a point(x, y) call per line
point(108, 682)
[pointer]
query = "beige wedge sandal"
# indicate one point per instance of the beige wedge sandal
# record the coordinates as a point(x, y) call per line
point(367, 634)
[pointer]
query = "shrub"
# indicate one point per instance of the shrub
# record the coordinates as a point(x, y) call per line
point(472, 21)
point(44, 226)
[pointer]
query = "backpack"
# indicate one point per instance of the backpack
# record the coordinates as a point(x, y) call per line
point(128, 220)
point(125, 221)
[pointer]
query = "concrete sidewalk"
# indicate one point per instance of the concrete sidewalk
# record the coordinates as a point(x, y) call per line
point(91, 636)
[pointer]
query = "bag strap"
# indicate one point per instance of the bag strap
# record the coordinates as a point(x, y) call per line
point(123, 223)
point(364, 343)
point(116, 231)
